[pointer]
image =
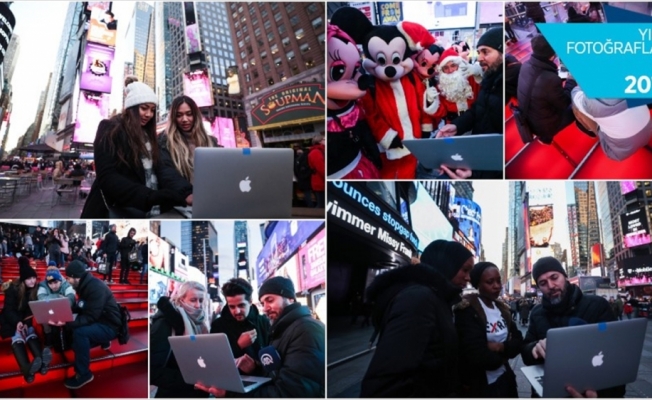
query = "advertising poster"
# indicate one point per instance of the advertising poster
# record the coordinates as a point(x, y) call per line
point(282, 243)
point(596, 254)
point(636, 271)
point(627, 186)
point(312, 262)
point(541, 223)
point(469, 220)
point(635, 227)
point(159, 253)
point(367, 9)
point(301, 101)
point(222, 129)
point(96, 68)
point(103, 27)
point(197, 86)
point(193, 42)
point(92, 108)
point(391, 12)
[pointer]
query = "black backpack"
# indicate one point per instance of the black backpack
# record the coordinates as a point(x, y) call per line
point(302, 169)
point(123, 332)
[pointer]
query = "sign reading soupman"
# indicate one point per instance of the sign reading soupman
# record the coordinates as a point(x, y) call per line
point(291, 103)
point(355, 208)
point(7, 24)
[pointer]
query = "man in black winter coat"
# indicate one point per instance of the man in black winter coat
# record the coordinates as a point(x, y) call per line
point(246, 329)
point(299, 340)
point(486, 113)
point(98, 320)
point(542, 94)
point(563, 303)
point(109, 248)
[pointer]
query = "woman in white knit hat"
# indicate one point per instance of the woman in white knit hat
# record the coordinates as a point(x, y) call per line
point(134, 179)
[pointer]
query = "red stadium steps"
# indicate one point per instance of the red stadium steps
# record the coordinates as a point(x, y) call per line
point(128, 363)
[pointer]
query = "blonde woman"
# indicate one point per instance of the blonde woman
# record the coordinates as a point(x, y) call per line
point(185, 132)
point(183, 314)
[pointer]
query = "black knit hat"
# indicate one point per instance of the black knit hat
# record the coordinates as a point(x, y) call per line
point(494, 38)
point(25, 271)
point(75, 269)
point(546, 264)
point(478, 269)
point(446, 256)
point(541, 47)
point(279, 286)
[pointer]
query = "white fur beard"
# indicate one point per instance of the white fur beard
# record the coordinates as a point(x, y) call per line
point(455, 87)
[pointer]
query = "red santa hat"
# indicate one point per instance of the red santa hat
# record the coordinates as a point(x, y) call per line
point(450, 54)
point(418, 37)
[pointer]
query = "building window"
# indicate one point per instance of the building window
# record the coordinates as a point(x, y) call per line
point(282, 76)
point(254, 20)
point(233, 6)
point(234, 15)
point(289, 7)
point(240, 9)
point(299, 33)
point(263, 13)
point(252, 10)
point(310, 64)
point(251, 91)
point(270, 36)
point(248, 77)
point(238, 33)
point(249, 50)
point(277, 61)
point(266, 67)
point(257, 87)
point(317, 22)
point(263, 55)
point(243, 54)
point(286, 42)
point(257, 32)
point(304, 47)
point(244, 27)
point(274, 6)
point(253, 63)
point(274, 49)
point(267, 25)
point(278, 16)
point(321, 38)
point(281, 28)
point(247, 38)
point(295, 70)
point(290, 55)
point(294, 20)
point(255, 73)
point(245, 65)
point(312, 8)
point(270, 81)
point(241, 43)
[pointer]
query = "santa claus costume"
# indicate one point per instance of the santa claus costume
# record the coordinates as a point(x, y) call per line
point(457, 90)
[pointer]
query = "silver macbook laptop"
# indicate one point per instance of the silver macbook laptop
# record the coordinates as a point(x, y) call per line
point(55, 310)
point(242, 183)
point(595, 356)
point(479, 152)
point(208, 360)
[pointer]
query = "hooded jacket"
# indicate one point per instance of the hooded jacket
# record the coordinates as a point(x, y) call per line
point(65, 290)
point(15, 311)
point(417, 350)
point(300, 342)
point(233, 328)
point(96, 304)
point(164, 370)
point(475, 357)
point(317, 162)
point(575, 307)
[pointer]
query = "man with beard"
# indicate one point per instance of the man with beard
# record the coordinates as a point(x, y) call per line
point(563, 304)
point(486, 113)
point(458, 88)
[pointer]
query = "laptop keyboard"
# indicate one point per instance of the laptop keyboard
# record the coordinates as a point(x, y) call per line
point(247, 383)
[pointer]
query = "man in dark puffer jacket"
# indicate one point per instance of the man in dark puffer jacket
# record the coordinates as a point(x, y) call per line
point(562, 304)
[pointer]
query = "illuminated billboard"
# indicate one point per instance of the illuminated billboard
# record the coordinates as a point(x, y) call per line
point(469, 221)
point(627, 186)
point(159, 253)
point(92, 108)
point(636, 231)
point(103, 27)
point(193, 42)
point(596, 254)
point(636, 271)
point(367, 8)
point(312, 262)
point(222, 129)
point(197, 86)
point(96, 68)
point(541, 223)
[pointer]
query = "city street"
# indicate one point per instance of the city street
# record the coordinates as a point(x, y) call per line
point(344, 379)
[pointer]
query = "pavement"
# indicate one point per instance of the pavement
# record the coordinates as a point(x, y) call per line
point(40, 204)
point(345, 374)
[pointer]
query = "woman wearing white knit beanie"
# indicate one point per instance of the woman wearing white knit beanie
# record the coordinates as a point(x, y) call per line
point(134, 178)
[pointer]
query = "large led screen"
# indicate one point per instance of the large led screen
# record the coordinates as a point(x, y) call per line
point(96, 68)
point(636, 230)
point(541, 225)
point(197, 86)
point(92, 109)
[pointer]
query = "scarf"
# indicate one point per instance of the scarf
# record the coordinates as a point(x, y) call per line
point(151, 180)
point(193, 320)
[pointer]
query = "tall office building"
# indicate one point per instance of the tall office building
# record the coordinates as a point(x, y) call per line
point(140, 46)
point(186, 238)
point(606, 228)
point(11, 58)
point(217, 53)
point(280, 54)
point(441, 192)
point(516, 225)
point(588, 232)
point(204, 247)
point(617, 206)
point(241, 250)
point(464, 190)
point(573, 237)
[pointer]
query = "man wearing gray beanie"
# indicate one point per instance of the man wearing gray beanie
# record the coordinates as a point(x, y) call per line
point(295, 358)
point(563, 304)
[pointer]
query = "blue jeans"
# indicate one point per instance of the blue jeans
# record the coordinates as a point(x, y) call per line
point(39, 250)
point(143, 271)
point(85, 337)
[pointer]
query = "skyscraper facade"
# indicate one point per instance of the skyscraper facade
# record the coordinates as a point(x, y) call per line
point(11, 58)
point(204, 247)
point(280, 55)
point(464, 190)
point(241, 249)
point(588, 232)
point(140, 35)
point(617, 206)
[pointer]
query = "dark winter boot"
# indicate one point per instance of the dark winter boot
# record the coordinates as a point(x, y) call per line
point(45, 355)
point(28, 369)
